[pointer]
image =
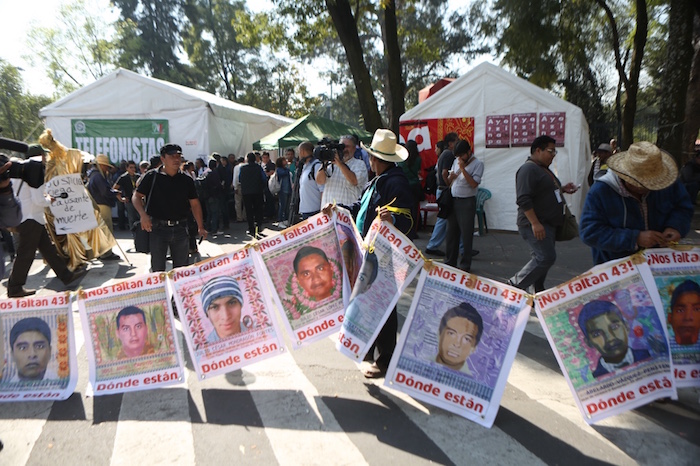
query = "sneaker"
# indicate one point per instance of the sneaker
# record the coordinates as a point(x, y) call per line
point(19, 292)
point(435, 252)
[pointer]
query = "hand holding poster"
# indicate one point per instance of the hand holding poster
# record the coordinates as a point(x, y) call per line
point(227, 318)
point(72, 207)
point(390, 264)
point(305, 267)
point(458, 342)
point(605, 328)
point(130, 336)
point(677, 275)
point(36, 335)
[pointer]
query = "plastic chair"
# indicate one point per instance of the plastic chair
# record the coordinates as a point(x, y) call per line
point(482, 195)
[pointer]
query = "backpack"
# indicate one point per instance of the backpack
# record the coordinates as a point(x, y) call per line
point(274, 184)
point(202, 191)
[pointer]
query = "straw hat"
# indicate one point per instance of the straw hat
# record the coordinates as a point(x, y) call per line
point(102, 159)
point(644, 165)
point(384, 147)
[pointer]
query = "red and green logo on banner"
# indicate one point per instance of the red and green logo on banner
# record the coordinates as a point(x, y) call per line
point(120, 139)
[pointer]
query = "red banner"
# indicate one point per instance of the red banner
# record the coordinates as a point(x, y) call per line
point(524, 129)
point(553, 124)
point(427, 133)
point(497, 131)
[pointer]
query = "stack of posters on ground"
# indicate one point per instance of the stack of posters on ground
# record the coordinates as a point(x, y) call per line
point(677, 275)
point(130, 336)
point(390, 263)
point(605, 328)
point(225, 313)
point(305, 269)
point(37, 349)
point(458, 342)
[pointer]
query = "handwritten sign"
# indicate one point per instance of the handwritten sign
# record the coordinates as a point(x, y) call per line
point(72, 208)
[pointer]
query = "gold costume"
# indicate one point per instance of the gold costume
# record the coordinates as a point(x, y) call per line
point(74, 246)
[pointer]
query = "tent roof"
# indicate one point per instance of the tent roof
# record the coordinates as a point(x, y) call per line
point(151, 100)
point(308, 128)
point(431, 89)
point(444, 104)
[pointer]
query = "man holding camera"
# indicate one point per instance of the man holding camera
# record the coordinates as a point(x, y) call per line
point(310, 192)
point(344, 177)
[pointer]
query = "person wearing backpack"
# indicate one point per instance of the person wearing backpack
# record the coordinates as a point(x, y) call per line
point(284, 180)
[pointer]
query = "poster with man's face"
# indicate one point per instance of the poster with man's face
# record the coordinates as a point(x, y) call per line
point(677, 275)
point(305, 266)
point(130, 336)
point(37, 348)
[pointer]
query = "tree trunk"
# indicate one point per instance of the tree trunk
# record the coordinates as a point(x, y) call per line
point(630, 109)
point(396, 102)
point(676, 75)
point(344, 22)
point(692, 110)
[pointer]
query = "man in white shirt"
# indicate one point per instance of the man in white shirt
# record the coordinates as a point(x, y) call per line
point(310, 192)
point(344, 179)
point(237, 195)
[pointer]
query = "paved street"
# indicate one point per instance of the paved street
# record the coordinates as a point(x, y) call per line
point(312, 406)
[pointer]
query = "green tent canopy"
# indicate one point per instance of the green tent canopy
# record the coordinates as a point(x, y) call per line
point(308, 128)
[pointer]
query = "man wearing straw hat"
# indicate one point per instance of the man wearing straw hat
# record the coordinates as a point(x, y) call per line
point(639, 203)
point(388, 188)
point(101, 191)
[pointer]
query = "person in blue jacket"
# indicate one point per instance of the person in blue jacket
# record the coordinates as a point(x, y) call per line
point(389, 187)
point(639, 203)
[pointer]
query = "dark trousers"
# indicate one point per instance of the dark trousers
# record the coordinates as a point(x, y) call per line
point(254, 210)
point(176, 238)
point(385, 343)
point(224, 209)
point(543, 255)
point(33, 236)
point(460, 226)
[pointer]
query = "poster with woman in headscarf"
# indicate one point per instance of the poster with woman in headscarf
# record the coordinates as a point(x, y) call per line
point(226, 313)
point(37, 348)
point(305, 267)
point(677, 274)
point(130, 336)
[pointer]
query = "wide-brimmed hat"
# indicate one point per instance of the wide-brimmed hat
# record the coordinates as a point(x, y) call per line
point(384, 146)
point(102, 159)
point(644, 165)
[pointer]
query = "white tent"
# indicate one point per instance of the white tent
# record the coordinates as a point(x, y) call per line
point(488, 91)
point(129, 116)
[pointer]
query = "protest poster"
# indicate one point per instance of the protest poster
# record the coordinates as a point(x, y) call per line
point(458, 342)
point(72, 207)
point(130, 336)
point(605, 329)
point(677, 275)
point(37, 348)
point(391, 263)
point(226, 313)
point(350, 244)
point(305, 269)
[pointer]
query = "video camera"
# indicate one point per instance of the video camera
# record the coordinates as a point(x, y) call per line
point(30, 171)
point(326, 149)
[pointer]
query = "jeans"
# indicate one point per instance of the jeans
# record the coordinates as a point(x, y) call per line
point(543, 255)
point(439, 230)
point(176, 239)
point(460, 232)
point(284, 203)
point(131, 214)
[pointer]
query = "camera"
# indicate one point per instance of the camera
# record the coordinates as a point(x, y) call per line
point(326, 149)
point(30, 171)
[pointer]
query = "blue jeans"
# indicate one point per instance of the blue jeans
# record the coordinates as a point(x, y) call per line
point(176, 239)
point(543, 255)
point(439, 230)
point(284, 203)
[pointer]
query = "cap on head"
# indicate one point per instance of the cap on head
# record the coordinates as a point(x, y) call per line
point(36, 149)
point(170, 149)
point(218, 288)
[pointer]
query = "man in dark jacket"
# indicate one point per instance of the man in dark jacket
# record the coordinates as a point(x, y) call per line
point(638, 203)
point(389, 186)
point(253, 182)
